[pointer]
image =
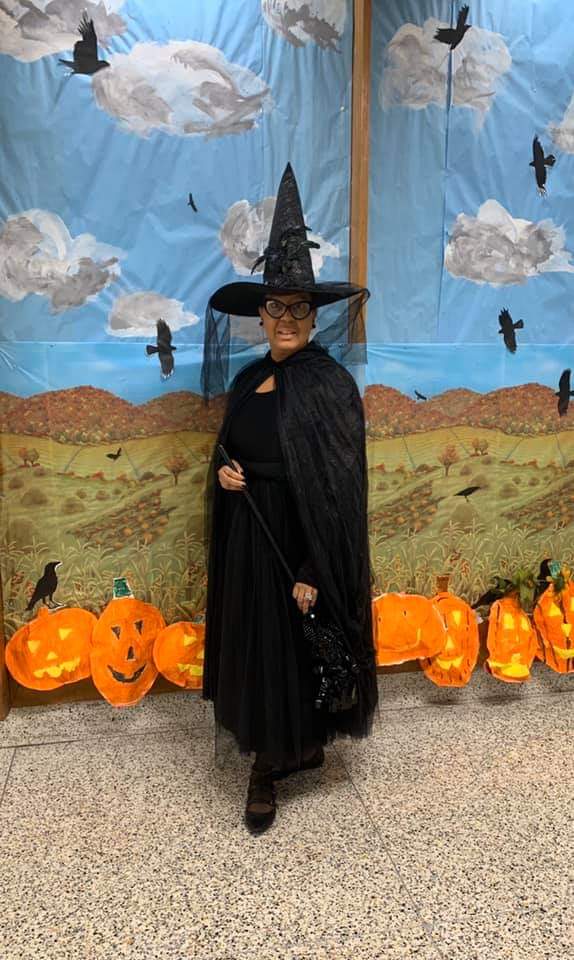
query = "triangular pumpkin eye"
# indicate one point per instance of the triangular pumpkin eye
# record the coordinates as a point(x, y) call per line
point(139, 626)
point(116, 630)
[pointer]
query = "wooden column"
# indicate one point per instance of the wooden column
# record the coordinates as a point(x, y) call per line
point(360, 142)
point(4, 681)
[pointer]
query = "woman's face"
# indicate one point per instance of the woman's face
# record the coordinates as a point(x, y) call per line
point(287, 333)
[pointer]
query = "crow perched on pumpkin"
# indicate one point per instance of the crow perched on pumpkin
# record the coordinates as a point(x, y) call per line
point(528, 586)
point(46, 585)
point(85, 51)
point(507, 328)
point(451, 36)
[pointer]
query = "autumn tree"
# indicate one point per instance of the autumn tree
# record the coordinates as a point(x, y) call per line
point(176, 465)
point(448, 457)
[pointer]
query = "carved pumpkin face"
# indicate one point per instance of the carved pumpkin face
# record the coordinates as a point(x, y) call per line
point(178, 654)
point(121, 655)
point(554, 619)
point(52, 650)
point(511, 642)
point(452, 666)
point(406, 627)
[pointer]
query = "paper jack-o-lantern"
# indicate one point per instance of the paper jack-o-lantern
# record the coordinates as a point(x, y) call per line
point(406, 627)
point(178, 654)
point(122, 646)
point(554, 619)
point(52, 650)
point(452, 666)
point(511, 641)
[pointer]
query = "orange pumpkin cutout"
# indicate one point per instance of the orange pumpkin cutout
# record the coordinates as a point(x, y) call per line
point(122, 646)
point(452, 666)
point(178, 654)
point(406, 627)
point(554, 619)
point(52, 650)
point(511, 641)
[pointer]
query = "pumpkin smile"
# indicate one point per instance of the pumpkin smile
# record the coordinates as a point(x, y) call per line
point(565, 653)
point(122, 678)
point(56, 670)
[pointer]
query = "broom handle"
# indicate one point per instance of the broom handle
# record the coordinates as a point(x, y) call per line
point(225, 456)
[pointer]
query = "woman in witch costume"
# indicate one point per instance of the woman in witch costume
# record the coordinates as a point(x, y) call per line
point(294, 428)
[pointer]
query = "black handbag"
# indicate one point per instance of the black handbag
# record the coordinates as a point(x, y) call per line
point(335, 668)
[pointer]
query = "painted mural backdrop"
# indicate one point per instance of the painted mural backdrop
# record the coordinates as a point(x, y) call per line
point(471, 429)
point(142, 144)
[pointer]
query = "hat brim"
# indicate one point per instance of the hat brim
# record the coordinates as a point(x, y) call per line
point(244, 298)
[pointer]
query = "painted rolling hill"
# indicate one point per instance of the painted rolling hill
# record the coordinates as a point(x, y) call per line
point(527, 410)
point(89, 415)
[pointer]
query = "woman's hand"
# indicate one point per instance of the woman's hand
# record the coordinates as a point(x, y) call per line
point(231, 479)
point(304, 602)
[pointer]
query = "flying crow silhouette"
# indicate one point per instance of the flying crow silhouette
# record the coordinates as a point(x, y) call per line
point(540, 162)
point(46, 586)
point(507, 328)
point(564, 392)
point(164, 349)
point(191, 204)
point(114, 456)
point(467, 492)
point(86, 51)
point(420, 396)
point(453, 37)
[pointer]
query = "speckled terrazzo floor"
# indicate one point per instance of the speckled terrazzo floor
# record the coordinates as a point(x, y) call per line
point(447, 834)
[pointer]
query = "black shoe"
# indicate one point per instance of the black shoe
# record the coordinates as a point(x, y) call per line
point(260, 794)
point(317, 760)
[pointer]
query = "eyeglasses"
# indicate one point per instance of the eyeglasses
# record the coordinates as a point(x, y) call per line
point(299, 310)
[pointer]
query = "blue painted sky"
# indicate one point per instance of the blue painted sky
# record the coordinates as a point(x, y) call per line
point(429, 165)
point(65, 155)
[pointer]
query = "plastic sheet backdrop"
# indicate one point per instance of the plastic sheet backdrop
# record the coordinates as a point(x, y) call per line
point(471, 436)
point(141, 146)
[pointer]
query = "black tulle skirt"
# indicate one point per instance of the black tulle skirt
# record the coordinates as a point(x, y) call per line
point(265, 686)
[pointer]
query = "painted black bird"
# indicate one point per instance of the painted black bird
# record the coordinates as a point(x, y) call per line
point(507, 328)
point(86, 51)
point(453, 36)
point(191, 204)
point(540, 162)
point(46, 586)
point(541, 580)
point(164, 349)
point(114, 456)
point(467, 492)
point(501, 586)
point(420, 396)
point(564, 392)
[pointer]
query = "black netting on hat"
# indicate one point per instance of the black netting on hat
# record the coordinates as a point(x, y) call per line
point(231, 341)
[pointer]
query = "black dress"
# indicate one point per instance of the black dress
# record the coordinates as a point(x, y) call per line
point(265, 686)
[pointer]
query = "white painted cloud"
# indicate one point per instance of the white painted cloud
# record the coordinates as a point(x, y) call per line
point(496, 248)
point(563, 133)
point(30, 30)
point(245, 233)
point(416, 68)
point(182, 88)
point(136, 315)
point(38, 255)
point(304, 21)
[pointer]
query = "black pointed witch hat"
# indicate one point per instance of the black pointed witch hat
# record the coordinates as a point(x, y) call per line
point(287, 258)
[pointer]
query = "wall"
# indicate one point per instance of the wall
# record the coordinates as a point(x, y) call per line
point(102, 459)
point(459, 232)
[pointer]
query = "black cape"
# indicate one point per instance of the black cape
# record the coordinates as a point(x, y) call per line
point(322, 435)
